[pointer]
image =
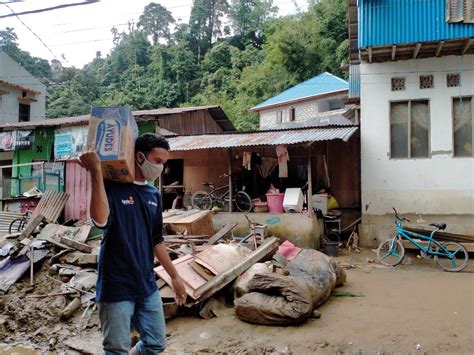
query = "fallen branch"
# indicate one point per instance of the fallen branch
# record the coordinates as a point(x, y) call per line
point(48, 295)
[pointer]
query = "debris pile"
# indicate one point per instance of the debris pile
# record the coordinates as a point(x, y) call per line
point(55, 300)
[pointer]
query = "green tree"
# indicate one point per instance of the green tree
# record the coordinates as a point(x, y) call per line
point(205, 24)
point(248, 18)
point(155, 22)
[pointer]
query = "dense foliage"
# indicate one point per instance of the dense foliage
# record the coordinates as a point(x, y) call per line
point(233, 54)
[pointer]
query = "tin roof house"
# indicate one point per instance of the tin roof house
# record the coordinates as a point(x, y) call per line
point(412, 69)
point(316, 101)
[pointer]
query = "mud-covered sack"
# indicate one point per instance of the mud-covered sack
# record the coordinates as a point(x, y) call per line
point(277, 300)
point(274, 300)
point(241, 285)
point(318, 272)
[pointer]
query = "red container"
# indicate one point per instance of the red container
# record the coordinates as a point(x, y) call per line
point(275, 202)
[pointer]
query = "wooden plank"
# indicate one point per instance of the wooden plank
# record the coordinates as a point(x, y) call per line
point(408, 245)
point(467, 45)
point(192, 280)
point(31, 226)
point(439, 48)
point(417, 50)
point(222, 257)
point(394, 51)
point(269, 246)
point(76, 245)
point(221, 233)
point(443, 235)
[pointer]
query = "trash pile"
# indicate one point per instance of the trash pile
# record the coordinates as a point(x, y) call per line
point(48, 276)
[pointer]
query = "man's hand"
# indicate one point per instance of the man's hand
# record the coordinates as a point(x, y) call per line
point(90, 161)
point(180, 292)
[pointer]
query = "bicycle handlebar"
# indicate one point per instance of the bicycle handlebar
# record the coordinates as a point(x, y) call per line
point(398, 217)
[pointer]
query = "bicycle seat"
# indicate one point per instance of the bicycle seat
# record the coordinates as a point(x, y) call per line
point(441, 226)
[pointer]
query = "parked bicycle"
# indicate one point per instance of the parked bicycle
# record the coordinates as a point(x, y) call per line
point(219, 196)
point(18, 224)
point(449, 256)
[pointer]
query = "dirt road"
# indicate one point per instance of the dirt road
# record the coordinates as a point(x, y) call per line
point(403, 308)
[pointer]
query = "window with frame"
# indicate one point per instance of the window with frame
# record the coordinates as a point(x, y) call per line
point(462, 126)
point(410, 129)
point(279, 116)
point(291, 114)
point(24, 113)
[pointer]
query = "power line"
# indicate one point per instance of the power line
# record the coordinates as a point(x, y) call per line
point(24, 24)
point(85, 2)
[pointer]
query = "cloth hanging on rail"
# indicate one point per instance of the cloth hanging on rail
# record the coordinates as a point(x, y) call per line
point(283, 158)
point(247, 160)
point(267, 167)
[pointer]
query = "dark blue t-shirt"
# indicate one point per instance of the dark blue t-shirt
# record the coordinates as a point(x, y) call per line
point(133, 228)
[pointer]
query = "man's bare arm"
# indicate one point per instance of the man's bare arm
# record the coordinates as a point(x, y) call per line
point(178, 286)
point(99, 208)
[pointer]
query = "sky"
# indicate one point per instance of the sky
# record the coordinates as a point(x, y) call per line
point(73, 35)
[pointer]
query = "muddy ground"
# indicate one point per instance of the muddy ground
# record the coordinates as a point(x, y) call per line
point(414, 308)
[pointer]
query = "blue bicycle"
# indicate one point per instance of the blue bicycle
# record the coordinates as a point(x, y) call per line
point(449, 256)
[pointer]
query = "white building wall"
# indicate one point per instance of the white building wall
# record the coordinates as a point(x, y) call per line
point(304, 110)
point(12, 72)
point(441, 185)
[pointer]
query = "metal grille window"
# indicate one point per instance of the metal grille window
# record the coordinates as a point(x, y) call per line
point(409, 129)
point(460, 11)
point(462, 126)
point(398, 84)
point(453, 80)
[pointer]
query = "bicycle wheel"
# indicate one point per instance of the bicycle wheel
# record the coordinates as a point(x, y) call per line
point(243, 201)
point(456, 261)
point(201, 200)
point(391, 254)
point(16, 226)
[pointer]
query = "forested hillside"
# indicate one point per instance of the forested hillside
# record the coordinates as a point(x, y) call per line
point(232, 53)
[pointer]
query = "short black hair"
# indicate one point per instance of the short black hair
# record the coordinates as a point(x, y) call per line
point(147, 141)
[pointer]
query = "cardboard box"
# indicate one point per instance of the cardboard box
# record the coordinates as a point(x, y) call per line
point(112, 134)
point(320, 201)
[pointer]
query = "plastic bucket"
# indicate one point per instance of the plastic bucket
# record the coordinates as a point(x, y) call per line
point(331, 248)
point(275, 203)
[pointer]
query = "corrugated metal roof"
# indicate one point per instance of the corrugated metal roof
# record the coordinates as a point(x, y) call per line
point(354, 81)
point(321, 84)
point(170, 111)
point(387, 22)
point(248, 139)
point(141, 116)
point(325, 119)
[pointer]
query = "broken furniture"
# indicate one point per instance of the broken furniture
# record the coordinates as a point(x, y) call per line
point(192, 222)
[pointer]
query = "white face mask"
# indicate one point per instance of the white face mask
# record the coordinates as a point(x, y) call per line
point(150, 171)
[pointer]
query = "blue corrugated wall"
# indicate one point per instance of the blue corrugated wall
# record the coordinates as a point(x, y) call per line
point(387, 22)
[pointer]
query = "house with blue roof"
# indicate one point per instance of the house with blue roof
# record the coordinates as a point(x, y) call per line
point(308, 101)
point(412, 70)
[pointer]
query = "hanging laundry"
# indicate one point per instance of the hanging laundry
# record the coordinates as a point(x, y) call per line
point(283, 158)
point(246, 160)
point(267, 167)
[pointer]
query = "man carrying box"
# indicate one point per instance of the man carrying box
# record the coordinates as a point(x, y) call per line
point(131, 216)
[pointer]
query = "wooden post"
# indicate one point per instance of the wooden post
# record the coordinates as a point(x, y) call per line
point(231, 190)
point(31, 265)
point(160, 187)
point(309, 194)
